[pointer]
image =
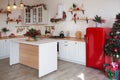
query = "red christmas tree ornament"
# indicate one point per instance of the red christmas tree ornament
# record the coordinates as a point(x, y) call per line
point(115, 50)
point(111, 42)
point(115, 37)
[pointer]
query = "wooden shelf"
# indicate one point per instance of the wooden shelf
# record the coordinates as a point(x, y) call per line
point(18, 21)
point(81, 19)
point(75, 10)
point(5, 12)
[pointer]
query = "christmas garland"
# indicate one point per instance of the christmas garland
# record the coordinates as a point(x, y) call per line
point(44, 6)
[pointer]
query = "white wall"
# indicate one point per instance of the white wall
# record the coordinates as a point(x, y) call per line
point(105, 8)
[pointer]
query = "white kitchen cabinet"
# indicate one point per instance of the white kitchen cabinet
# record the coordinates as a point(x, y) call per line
point(1, 49)
point(14, 52)
point(7, 47)
point(4, 48)
point(80, 52)
point(73, 51)
point(63, 49)
point(35, 15)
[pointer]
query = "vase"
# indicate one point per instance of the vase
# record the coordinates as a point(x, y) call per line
point(31, 39)
point(98, 24)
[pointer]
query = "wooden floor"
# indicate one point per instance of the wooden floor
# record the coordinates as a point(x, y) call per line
point(66, 71)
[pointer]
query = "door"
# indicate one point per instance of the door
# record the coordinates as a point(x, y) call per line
point(94, 47)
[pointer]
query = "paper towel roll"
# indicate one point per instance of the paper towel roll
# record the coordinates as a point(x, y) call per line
point(59, 11)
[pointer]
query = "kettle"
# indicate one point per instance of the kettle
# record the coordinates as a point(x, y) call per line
point(62, 34)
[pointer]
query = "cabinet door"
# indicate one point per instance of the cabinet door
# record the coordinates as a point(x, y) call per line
point(27, 15)
point(83, 51)
point(7, 47)
point(80, 52)
point(42, 15)
point(4, 48)
point(34, 15)
point(62, 49)
point(71, 51)
point(66, 50)
point(1, 49)
point(14, 52)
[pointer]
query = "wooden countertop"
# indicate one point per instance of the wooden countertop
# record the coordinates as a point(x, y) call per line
point(37, 43)
point(11, 37)
point(71, 39)
point(67, 38)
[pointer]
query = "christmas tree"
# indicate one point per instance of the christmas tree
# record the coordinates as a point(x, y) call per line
point(112, 45)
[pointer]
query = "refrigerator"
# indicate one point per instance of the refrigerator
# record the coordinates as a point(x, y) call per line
point(95, 40)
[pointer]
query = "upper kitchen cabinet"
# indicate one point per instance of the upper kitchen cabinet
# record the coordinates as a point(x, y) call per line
point(35, 15)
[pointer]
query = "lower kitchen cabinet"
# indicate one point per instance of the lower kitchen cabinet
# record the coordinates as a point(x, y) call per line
point(14, 52)
point(4, 48)
point(73, 51)
point(80, 52)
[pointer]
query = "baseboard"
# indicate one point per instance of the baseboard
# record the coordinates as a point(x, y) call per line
point(3, 57)
point(78, 62)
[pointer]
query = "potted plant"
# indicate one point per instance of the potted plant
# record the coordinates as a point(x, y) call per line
point(32, 34)
point(5, 30)
point(98, 20)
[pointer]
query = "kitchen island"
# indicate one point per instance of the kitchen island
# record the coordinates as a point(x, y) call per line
point(41, 54)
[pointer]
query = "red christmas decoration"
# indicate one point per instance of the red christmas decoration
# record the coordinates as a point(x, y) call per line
point(115, 50)
point(115, 37)
point(111, 42)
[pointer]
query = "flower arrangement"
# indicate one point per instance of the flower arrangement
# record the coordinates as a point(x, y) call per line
point(98, 19)
point(32, 33)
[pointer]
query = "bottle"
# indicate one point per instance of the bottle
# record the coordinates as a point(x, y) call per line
point(46, 31)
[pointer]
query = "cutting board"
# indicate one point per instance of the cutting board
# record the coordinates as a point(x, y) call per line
point(78, 34)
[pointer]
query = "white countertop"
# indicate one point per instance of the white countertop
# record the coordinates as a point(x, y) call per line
point(38, 42)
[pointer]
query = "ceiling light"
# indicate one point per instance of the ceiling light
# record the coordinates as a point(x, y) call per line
point(14, 6)
point(8, 7)
point(21, 5)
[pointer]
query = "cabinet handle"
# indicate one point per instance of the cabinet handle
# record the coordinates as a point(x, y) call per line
point(75, 42)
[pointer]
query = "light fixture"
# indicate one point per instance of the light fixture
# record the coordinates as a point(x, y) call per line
point(14, 6)
point(21, 5)
point(8, 7)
